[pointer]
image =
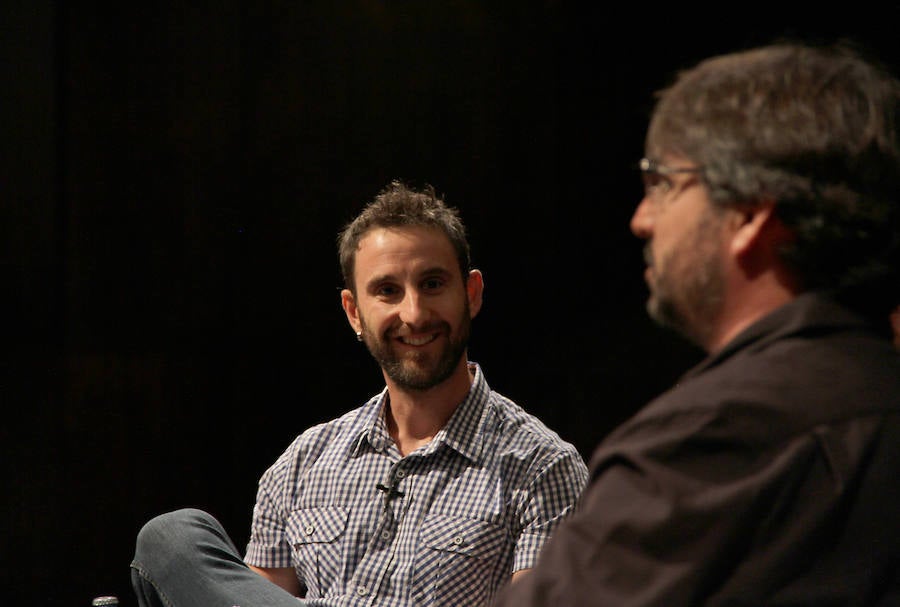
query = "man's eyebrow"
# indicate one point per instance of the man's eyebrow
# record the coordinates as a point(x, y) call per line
point(391, 277)
point(380, 278)
point(435, 270)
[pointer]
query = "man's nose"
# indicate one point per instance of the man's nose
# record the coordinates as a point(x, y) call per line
point(414, 309)
point(642, 220)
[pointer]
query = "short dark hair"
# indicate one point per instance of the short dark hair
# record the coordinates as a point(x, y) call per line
point(812, 128)
point(399, 205)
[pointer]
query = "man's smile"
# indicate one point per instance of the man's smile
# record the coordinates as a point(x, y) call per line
point(417, 340)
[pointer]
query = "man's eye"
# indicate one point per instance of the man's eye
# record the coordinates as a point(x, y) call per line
point(386, 290)
point(656, 184)
point(433, 283)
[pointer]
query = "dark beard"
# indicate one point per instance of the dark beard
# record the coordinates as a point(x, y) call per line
point(689, 303)
point(415, 378)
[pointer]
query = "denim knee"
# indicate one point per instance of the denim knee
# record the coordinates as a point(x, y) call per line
point(172, 537)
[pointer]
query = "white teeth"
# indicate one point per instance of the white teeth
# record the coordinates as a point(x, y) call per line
point(417, 341)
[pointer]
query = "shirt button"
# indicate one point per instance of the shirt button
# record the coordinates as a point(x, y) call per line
point(458, 540)
point(309, 530)
point(401, 473)
point(362, 590)
point(385, 535)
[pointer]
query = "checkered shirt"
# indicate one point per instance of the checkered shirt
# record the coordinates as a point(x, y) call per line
point(450, 522)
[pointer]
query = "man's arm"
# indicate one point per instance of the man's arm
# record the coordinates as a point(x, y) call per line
point(551, 497)
point(285, 577)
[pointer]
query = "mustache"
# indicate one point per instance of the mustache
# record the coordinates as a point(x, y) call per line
point(648, 256)
point(432, 327)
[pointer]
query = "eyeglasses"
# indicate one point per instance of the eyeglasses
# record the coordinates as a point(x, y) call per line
point(657, 183)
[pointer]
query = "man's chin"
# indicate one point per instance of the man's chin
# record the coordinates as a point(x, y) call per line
point(420, 373)
point(411, 373)
point(417, 383)
point(664, 315)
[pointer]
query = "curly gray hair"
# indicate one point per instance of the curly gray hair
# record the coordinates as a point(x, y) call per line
point(813, 129)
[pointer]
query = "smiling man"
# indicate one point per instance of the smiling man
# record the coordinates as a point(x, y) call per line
point(437, 491)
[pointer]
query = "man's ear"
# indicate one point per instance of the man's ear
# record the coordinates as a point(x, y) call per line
point(755, 228)
point(348, 302)
point(474, 291)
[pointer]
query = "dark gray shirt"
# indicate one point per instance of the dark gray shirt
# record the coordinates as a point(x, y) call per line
point(769, 475)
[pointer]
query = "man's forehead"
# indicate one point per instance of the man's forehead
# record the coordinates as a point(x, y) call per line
point(410, 249)
point(403, 237)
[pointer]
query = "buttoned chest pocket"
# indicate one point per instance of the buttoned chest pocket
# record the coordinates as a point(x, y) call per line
point(315, 534)
point(460, 560)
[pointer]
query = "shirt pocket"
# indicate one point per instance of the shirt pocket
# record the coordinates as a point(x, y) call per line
point(460, 560)
point(315, 534)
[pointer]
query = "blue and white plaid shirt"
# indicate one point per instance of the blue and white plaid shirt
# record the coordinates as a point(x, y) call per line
point(450, 522)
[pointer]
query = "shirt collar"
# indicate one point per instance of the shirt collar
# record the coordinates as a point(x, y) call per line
point(371, 430)
point(810, 310)
point(464, 432)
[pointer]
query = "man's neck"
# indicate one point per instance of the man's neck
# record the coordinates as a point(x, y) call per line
point(747, 305)
point(414, 417)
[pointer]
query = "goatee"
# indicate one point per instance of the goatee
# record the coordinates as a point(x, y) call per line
point(414, 371)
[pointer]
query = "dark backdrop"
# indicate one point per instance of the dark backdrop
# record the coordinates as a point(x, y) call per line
point(173, 180)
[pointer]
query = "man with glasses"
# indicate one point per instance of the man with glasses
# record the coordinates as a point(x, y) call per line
point(768, 475)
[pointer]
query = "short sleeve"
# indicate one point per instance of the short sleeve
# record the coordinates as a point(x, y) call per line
point(268, 546)
point(552, 496)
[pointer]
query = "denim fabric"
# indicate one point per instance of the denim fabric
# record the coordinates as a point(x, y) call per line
point(186, 559)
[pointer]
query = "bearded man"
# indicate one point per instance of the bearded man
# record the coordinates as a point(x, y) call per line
point(437, 491)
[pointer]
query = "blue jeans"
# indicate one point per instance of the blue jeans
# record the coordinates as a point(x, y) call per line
point(185, 559)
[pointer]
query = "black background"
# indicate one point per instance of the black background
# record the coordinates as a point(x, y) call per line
point(173, 179)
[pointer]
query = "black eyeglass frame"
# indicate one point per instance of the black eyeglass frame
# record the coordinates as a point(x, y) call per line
point(647, 165)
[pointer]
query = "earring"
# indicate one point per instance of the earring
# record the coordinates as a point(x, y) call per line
point(359, 336)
